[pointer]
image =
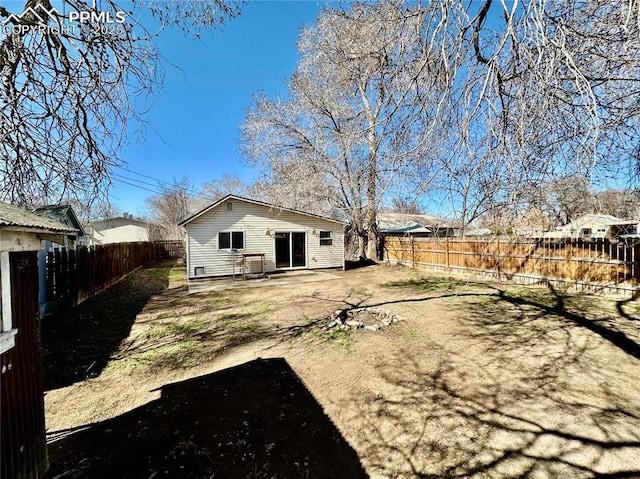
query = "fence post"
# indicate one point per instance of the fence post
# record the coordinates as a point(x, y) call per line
point(446, 248)
point(497, 255)
point(569, 259)
point(413, 251)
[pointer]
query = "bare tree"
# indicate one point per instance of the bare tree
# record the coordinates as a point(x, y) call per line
point(624, 204)
point(73, 79)
point(354, 125)
point(170, 207)
point(225, 185)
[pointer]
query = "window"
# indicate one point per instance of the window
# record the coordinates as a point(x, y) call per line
point(231, 240)
point(198, 271)
point(229, 206)
point(586, 231)
point(326, 238)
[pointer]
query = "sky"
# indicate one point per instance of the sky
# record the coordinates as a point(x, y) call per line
point(193, 125)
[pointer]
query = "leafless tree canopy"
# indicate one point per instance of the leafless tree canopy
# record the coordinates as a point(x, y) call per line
point(353, 126)
point(72, 89)
point(475, 103)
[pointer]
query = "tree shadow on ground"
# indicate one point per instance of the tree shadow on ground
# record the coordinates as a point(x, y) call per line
point(256, 420)
point(542, 385)
point(77, 344)
point(451, 422)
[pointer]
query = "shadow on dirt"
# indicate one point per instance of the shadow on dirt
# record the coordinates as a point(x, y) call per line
point(543, 388)
point(255, 420)
point(440, 423)
point(77, 344)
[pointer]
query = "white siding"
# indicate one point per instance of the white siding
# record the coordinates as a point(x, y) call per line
point(121, 234)
point(259, 223)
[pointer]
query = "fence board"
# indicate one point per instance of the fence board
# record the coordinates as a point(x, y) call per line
point(600, 263)
point(73, 276)
point(22, 429)
point(168, 249)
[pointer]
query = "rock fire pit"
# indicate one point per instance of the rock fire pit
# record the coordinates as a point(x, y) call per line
point(372, 319)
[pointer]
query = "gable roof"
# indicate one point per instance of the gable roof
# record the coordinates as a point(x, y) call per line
point(62, 214)
point(109, 221)
point(410, 223)
point(606, 220)
point(255, 202)
point(12, 216)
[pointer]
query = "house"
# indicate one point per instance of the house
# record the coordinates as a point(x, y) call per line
point(402, 224)
point(238, 235)
point(591, 227)
point(62, 214)
point(474, 233)
point(22, 426)
point(121, 229)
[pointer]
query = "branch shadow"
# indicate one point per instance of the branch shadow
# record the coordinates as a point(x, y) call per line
point(446, 421)
point(78, 343)
point(540, 386)
point(256, 420)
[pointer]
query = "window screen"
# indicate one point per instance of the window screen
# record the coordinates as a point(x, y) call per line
point(326, 238)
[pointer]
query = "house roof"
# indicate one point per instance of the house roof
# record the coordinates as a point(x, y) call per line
point(606, 220)
point(12, 216)
point(255, 202)
point(62, 214)
point(108, 221)
point(410, 223)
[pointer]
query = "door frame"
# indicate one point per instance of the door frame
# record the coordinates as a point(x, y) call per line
point(306, 248)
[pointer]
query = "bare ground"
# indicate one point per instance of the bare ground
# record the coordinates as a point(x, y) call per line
point(479, 380)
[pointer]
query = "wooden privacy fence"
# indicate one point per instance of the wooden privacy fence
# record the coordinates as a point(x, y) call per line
point(73, 276)
point(581, 265)
point(167, 249)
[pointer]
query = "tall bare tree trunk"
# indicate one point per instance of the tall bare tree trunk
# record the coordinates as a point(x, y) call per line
point(371, 218)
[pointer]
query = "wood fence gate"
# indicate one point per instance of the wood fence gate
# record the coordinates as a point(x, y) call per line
point(22, 427)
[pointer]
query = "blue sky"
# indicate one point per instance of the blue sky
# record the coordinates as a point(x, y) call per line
point(193, 124)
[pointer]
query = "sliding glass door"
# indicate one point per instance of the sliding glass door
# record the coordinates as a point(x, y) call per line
point(291, 249)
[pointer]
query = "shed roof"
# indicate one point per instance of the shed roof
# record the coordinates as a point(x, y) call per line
point(255, 202)
point(12, 216)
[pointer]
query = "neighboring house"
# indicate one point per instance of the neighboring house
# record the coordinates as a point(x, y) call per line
point(22, 426)
point(122, 229)
point(402, 224)
point(474, 233)
point(594, 227)
point(236, 231)
point(62, 214)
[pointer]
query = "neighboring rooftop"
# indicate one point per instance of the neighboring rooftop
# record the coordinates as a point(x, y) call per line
point(410, 223)
point(14, 216)
point(608, 220)
point(61, 213)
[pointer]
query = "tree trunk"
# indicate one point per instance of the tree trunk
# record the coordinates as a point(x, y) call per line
point(361, 251)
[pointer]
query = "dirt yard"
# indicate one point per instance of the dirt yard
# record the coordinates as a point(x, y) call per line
point(474, 380)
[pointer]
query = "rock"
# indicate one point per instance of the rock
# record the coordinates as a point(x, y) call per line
point(373, 327)
point(353, 323)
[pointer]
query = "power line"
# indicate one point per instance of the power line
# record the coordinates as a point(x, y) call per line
point(157, 189)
